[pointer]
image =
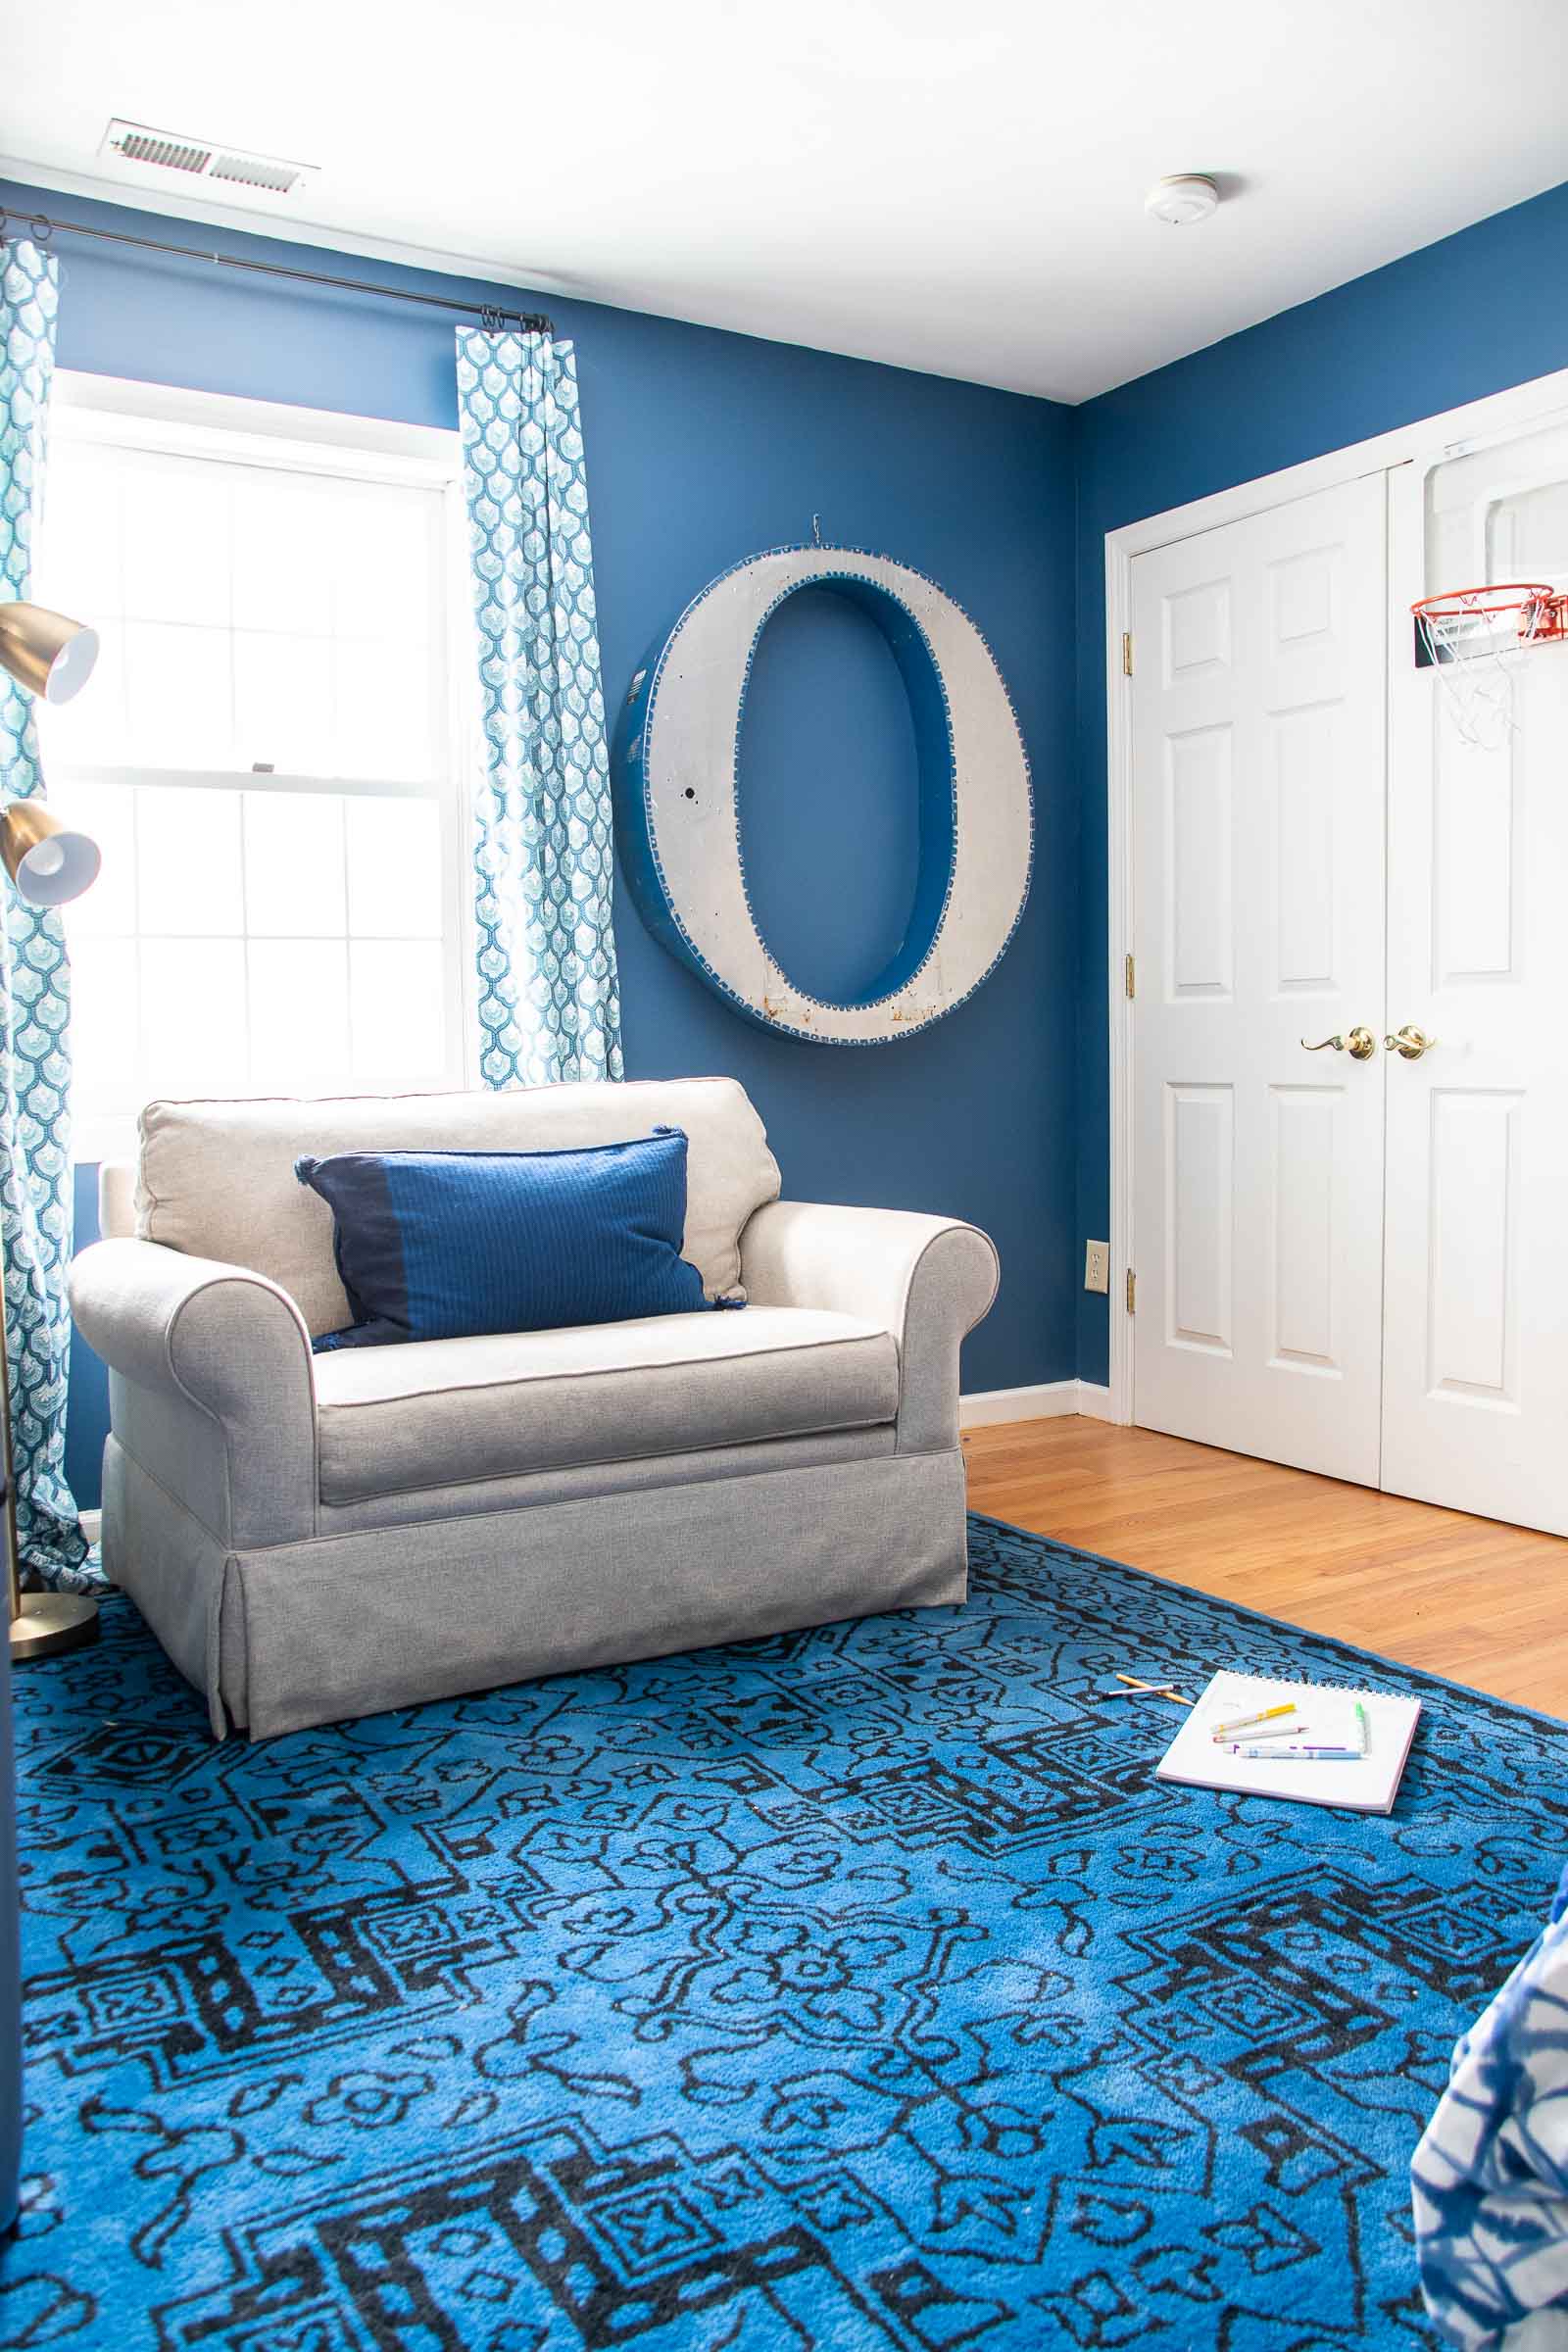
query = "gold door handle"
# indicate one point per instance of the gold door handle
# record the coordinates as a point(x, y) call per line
point(1411, 1043)
point(1360, 1044)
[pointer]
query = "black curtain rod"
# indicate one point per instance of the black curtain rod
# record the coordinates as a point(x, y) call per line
point(489, 314)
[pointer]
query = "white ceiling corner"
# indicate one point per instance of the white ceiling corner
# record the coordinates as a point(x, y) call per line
point(957, 191)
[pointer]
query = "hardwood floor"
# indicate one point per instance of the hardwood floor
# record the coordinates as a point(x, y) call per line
point(1484, 1603)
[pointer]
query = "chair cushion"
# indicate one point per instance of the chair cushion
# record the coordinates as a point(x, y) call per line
point(447, 1245)
point(440, 1411)
point(217, 1179)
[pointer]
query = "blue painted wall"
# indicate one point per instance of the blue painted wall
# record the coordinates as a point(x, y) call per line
point(705, 448)
point(87, 1403)
point(1470, 316)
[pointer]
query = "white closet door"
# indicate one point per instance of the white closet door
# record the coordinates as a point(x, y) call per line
point(1258, 785)
point(1476, 1353)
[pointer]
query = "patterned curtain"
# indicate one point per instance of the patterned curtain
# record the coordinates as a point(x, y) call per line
point(549, 1001)
point(35, 1178)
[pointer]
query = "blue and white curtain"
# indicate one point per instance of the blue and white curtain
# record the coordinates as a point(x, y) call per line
point(35, 1177)
point(548, 1000)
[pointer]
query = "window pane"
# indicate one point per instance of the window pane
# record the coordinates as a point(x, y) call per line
point(78, 567)
point(188, 861)
point(398, 1006)
point(383, 711)
point(283, 703)
point(395, 883)
point(193, 1017)
point(387, 562)
point(244, 938)
point(93, 728)
point(285, 537)
point(182, 698)
point(106, 1071)
point(108, 812)
point(299, 1016)
point(294, 864)
point(177, 549)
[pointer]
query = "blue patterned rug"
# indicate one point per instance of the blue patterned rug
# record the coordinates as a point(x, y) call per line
point(852, 1988)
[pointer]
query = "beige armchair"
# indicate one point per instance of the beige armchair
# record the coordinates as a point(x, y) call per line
point(319, 1536)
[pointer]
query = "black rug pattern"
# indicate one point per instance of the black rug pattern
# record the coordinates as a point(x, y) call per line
point(854, 1988)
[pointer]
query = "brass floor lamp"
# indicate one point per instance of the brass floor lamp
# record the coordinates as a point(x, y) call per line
point(48, 864)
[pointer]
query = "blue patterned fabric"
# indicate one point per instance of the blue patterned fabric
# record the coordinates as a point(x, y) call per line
point(10, 1969)
point(548, 1003)
point(1491, 2174)
point(35, 1180)
point(443, 1244)
point(851, 1990)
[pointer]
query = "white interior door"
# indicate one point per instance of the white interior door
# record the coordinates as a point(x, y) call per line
point(1476, 1352)
point(1258, 721)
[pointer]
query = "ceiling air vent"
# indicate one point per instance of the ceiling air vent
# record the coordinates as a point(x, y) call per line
point(204, 159)
point(254, 171)
point(175, 154)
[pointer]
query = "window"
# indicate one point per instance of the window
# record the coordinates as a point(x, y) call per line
point(269, 753)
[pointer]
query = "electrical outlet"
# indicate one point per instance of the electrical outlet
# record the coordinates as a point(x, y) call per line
point(1097, 1266)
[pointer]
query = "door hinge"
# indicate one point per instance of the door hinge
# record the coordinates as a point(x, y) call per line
point(1131, 977)
point(1132, 1291)
point(1126, 652)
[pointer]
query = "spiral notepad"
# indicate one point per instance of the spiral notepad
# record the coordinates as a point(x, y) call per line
point(1370, 1783)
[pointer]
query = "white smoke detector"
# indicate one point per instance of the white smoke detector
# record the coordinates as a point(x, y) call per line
point(1182, 200)
point(176, 155)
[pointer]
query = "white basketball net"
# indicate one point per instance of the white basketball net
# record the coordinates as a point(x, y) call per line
point(1476, 647)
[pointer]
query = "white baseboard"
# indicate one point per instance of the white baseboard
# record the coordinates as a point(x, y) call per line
point(1093, 1400)
point(1045, 1401)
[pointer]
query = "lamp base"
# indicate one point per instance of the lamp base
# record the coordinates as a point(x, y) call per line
point(51, 1621)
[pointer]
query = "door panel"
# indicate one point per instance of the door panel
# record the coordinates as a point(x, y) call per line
point(1258, 758)
point(1198, 824)
point(1473, 1252)
point(1200, 1215)
point(1307, 1141)
point(1476, 1352)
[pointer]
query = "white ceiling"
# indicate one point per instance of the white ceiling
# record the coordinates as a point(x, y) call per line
point(956, 187)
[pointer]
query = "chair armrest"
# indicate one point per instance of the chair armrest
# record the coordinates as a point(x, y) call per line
point(212, 1386)
point(927, 1280)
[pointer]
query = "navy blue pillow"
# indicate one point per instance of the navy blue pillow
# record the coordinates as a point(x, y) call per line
point(443, 1244)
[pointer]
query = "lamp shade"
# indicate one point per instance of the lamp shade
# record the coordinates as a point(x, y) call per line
point(45, 652)
point(47, 860)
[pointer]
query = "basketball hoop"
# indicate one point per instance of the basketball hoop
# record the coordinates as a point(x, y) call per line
point(1475, 638)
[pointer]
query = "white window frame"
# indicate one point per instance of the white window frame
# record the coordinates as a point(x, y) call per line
point(119, 412)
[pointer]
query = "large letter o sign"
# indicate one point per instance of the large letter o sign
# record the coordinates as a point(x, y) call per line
point(676, 770)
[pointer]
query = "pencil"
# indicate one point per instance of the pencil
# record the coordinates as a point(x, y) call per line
point(1245, 1723)
point(1311, 1755)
